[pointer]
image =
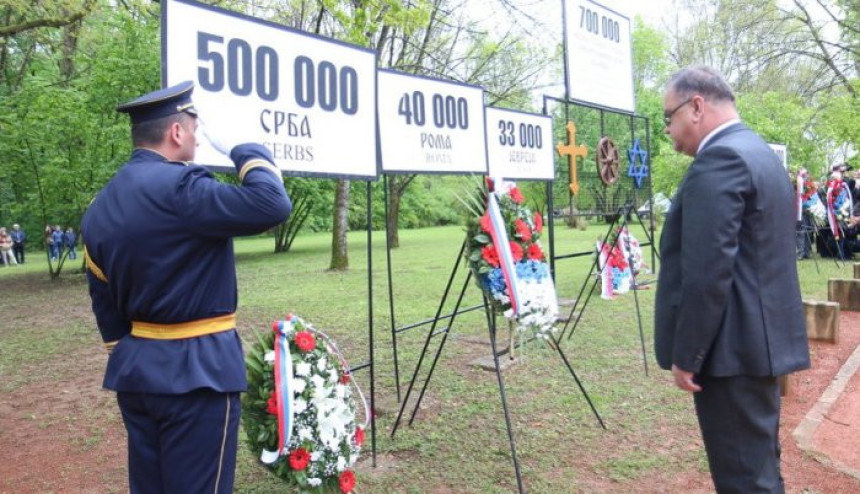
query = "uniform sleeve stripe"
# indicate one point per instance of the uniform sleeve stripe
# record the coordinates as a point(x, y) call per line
point(259, 164)
point(93, 267)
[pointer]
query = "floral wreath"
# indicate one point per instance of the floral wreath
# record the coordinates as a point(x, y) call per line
point(839, 200)
point(515, 225)
point(808, 198)
point(299, 413)
point(614, 261)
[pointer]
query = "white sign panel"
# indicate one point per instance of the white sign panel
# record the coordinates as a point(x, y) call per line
point(311, 100)
point(782, 151)
point(430, 125)
point(519, 145)
point(599, 55)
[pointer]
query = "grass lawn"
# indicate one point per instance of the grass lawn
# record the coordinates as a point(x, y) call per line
point(458, 442)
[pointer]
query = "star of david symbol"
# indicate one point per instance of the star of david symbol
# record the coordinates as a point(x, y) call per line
point(637, 171)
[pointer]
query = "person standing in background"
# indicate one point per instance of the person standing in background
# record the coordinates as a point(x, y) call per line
point(49, 241)
point(58, 239)
point(19, 240)
point(70, 239)
point(6, 249)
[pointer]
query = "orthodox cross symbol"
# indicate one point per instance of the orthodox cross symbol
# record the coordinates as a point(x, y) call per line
point(572, 151)
point(607, 161)
point(637, 171)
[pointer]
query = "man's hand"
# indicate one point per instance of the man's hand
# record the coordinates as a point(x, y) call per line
point(684, 380)
point(218, 141)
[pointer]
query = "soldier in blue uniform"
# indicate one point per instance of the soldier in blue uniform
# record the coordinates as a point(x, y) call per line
point(159, 255)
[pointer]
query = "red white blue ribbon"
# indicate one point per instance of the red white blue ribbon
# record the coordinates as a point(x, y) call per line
point(801, 179)
point(284, 384)
point(831, 213)
point(834, 189)
point(499, 234)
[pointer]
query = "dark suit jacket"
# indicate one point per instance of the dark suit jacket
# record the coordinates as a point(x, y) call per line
point(728, 301)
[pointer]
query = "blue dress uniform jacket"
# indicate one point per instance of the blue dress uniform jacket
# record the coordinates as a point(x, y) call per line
point(159, 244)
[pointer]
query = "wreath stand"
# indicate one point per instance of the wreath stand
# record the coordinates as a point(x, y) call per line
point(807, 228)
point(492, 328)
point(622, 213)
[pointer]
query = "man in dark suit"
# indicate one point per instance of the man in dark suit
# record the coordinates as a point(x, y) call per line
point(728, 313)
point(158, 244)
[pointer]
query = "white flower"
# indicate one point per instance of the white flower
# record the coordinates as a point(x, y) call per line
point(319, 384)
point(299, 385)
point(299, 406)
point(321, 364)
point(314, 482)
point(502, 187)
point(340, 391)
point(305, 434)
point(303, 369)
point(270, 356)
point(316, 455)
point(341, 463)
point(333, 418)
point(538, 308)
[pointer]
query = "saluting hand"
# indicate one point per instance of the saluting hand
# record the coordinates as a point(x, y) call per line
point(216, 139)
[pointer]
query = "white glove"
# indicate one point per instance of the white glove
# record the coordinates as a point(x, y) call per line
point(218, 140)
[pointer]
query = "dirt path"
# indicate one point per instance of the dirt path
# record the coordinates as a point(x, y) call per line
point(803, 473)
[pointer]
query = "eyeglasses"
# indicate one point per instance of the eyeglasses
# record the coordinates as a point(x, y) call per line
point(667, 116)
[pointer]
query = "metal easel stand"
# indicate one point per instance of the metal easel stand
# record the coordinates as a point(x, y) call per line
point(491, 323)
point(838, 256)
point(806, 228)
point(622, 213)
point(492, 327)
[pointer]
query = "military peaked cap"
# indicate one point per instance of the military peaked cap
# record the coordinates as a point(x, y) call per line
point(161, 103)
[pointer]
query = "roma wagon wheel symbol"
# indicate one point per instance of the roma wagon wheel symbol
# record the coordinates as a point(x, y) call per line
point(607, 161)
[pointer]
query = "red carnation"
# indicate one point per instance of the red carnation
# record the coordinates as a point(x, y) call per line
point(486, 224)
point(272, 404)
point(516, 251)
point(517, 196)
point(305, 341)
point(346, 481)
point(534, 252)
point(523, 230)
point(344, 378)
point(489, 254)
point(276, 325)
point(299, 459)
point(538, 220)
point(616, 257)
point(359, 436)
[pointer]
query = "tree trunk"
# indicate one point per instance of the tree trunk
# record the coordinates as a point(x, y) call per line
point(339, 256)
point(70, 44)
point(397, 185)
